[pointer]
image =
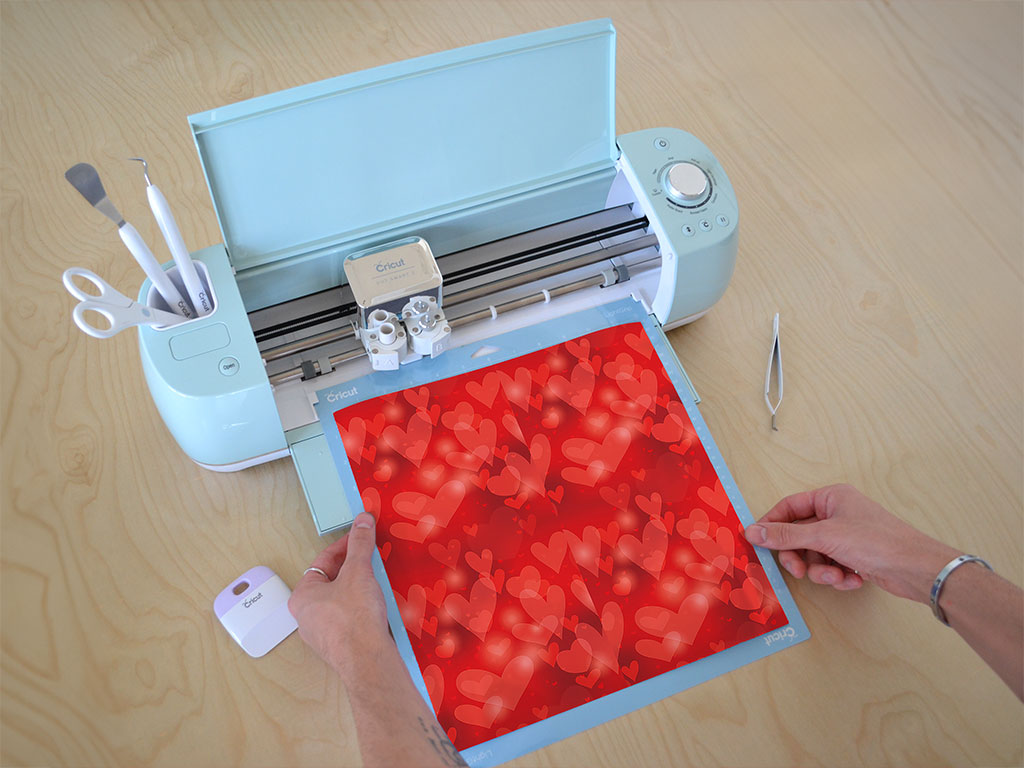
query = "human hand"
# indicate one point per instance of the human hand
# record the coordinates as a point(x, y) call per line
point(838, 536)
point(343, 616)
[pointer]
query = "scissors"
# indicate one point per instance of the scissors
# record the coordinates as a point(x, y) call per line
point(120, 311)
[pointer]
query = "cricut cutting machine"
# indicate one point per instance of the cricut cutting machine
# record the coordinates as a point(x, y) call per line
point(382, 216)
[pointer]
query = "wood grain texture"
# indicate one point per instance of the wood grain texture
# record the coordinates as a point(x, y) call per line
point(876, 153)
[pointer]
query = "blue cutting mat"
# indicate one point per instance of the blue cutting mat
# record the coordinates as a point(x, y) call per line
point(505, 347)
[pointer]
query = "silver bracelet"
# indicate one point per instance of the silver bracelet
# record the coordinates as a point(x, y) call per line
point(940, 581)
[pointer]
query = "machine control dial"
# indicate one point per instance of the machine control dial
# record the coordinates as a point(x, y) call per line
point(686, 183)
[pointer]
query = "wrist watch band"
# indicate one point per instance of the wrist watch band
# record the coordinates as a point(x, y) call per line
point(940, 582)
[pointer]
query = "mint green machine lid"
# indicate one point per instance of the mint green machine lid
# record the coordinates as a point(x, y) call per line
point(315, 166)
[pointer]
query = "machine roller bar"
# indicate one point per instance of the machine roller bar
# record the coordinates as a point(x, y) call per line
point(454, 299)
point(484, 314)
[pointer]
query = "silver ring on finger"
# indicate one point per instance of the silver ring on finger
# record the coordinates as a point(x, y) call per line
point(316, 570)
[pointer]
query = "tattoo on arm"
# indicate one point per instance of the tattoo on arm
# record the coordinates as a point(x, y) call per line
point(442, 744)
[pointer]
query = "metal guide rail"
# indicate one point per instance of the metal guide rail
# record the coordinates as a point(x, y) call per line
point(309, 336)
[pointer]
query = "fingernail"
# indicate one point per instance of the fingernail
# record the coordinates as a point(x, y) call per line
point(365, 520)
point(757, 534)
point(828, 577)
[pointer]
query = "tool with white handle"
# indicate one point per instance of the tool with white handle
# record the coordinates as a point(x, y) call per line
point(120, 311)
point(176, 244)
point(86, 180)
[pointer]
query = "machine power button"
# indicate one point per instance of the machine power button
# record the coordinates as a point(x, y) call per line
point(686, 183)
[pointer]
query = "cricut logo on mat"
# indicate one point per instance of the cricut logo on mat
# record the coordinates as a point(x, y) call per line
point(333, 397)
point(780, 634)
point(483, 754)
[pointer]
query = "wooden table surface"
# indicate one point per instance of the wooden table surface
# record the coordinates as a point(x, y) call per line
point(876, 153)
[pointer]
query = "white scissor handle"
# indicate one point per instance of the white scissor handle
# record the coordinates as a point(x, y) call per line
point(107, 293)
point(82, 321)
point(120, 311)
point(120, 317)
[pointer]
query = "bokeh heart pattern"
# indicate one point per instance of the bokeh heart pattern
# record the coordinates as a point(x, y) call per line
point(553, 531)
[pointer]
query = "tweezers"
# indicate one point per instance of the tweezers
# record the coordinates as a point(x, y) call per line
point(774, 360)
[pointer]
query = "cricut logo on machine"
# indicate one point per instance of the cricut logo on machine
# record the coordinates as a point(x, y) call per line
point(780, 634)
point(387, 266)
point(333, 397)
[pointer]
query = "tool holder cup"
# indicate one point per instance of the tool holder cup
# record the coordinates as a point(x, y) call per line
point(155, 300)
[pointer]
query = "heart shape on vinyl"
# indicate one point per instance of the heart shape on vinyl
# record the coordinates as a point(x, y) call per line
point(517, 387)
point(696, 521)
point(674, 427)
point(479, 441)
point(578, 389)
point(508, 689)
point(485, 390)
point(412, 442)
point(352, 437)
point(547, 611)
point(413, 608)
point(462, 413)
point(576, 658)
point(416, 533)
point(712, 550)
point(716, 497)
point(482, 717)
point(622, 367)
point(477, 613)
point(533, 472)
point(528, 580)
point(434, 680)
point(586, 549)
point(605, 644)
point(446, 554)
point(641, 390)
point(441, 506)
point(649, 553)
point(553, 552)
point(639, 342)
point(599, 458)
point(684, 623)
point(748, 597)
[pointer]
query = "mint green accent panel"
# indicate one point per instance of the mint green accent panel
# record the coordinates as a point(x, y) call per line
point(216, 419)
point(311, 167)
point(300, 275)
point(320, 482)
point(199, 341)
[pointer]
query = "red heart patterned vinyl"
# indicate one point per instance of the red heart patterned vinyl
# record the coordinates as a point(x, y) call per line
point(549, 542)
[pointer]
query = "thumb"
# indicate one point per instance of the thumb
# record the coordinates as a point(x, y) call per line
point(361, 541)
point(783, 536)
